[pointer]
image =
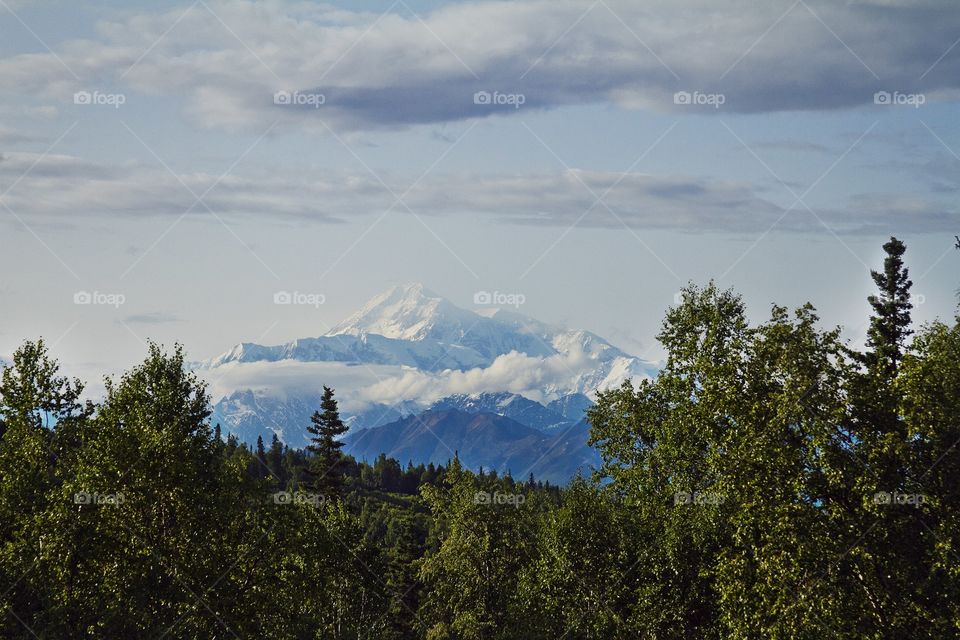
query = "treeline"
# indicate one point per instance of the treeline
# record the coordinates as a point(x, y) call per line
point(771, 482)
point(288, 467)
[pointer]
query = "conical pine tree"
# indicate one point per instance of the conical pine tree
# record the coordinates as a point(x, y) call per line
point(326, 465)
point(889, 325)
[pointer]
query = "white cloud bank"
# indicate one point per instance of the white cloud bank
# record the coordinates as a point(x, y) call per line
point(359, 386)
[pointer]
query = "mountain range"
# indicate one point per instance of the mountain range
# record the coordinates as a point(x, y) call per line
point(480, 440)
point(410, 354)
point(411, 326)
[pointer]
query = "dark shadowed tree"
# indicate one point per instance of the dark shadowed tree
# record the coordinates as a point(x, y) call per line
point(326, 427)
point(890, 323)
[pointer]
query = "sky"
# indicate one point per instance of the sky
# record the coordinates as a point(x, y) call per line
point(166, 168)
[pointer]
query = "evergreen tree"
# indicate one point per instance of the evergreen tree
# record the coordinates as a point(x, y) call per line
point(263, 470)
point(878, 431)
point(880, 449)
point(889, 326)
point(275, 461)
point(326, 468)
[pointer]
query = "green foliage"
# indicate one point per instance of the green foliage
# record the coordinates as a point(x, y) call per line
point(40, 416)
point(576, 583)
point(471, 580)
point(771, 482)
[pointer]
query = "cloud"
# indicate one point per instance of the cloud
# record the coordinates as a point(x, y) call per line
point(155, 317)
point(514, 372)
point(39, 112)
point(292, 378)
point(799, 146)
point(67, 187)
point(227, 59)
point(10, 136)
point(361, 386)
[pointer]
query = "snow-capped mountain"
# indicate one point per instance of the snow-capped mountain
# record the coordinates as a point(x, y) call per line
point(411, 313)
point(249, 413)
point(411, 326)
point(418, 348)
point(510, 405)
point(573, 406)
point(427, 355)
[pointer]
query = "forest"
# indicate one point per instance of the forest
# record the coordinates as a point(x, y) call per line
point(773, 481)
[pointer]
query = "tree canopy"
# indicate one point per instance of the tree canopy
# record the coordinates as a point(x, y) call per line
point(773, 481)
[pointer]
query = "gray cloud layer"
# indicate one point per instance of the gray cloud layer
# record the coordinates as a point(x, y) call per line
point(67, 187)
point(400, 69)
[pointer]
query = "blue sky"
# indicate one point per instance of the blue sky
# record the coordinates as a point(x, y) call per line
point(597, 197)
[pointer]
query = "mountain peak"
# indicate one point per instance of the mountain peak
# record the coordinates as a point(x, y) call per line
point(406, 311)
point(412, 290)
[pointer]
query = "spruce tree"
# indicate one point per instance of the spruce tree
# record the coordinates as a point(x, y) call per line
point(879, 428)
point(881, 449)
point(889, 325)
point(262, 469)
point(275, 460)
point(326, 464)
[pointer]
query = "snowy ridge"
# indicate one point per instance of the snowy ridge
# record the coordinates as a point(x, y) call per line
point(410, 326)
point(422, 349)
